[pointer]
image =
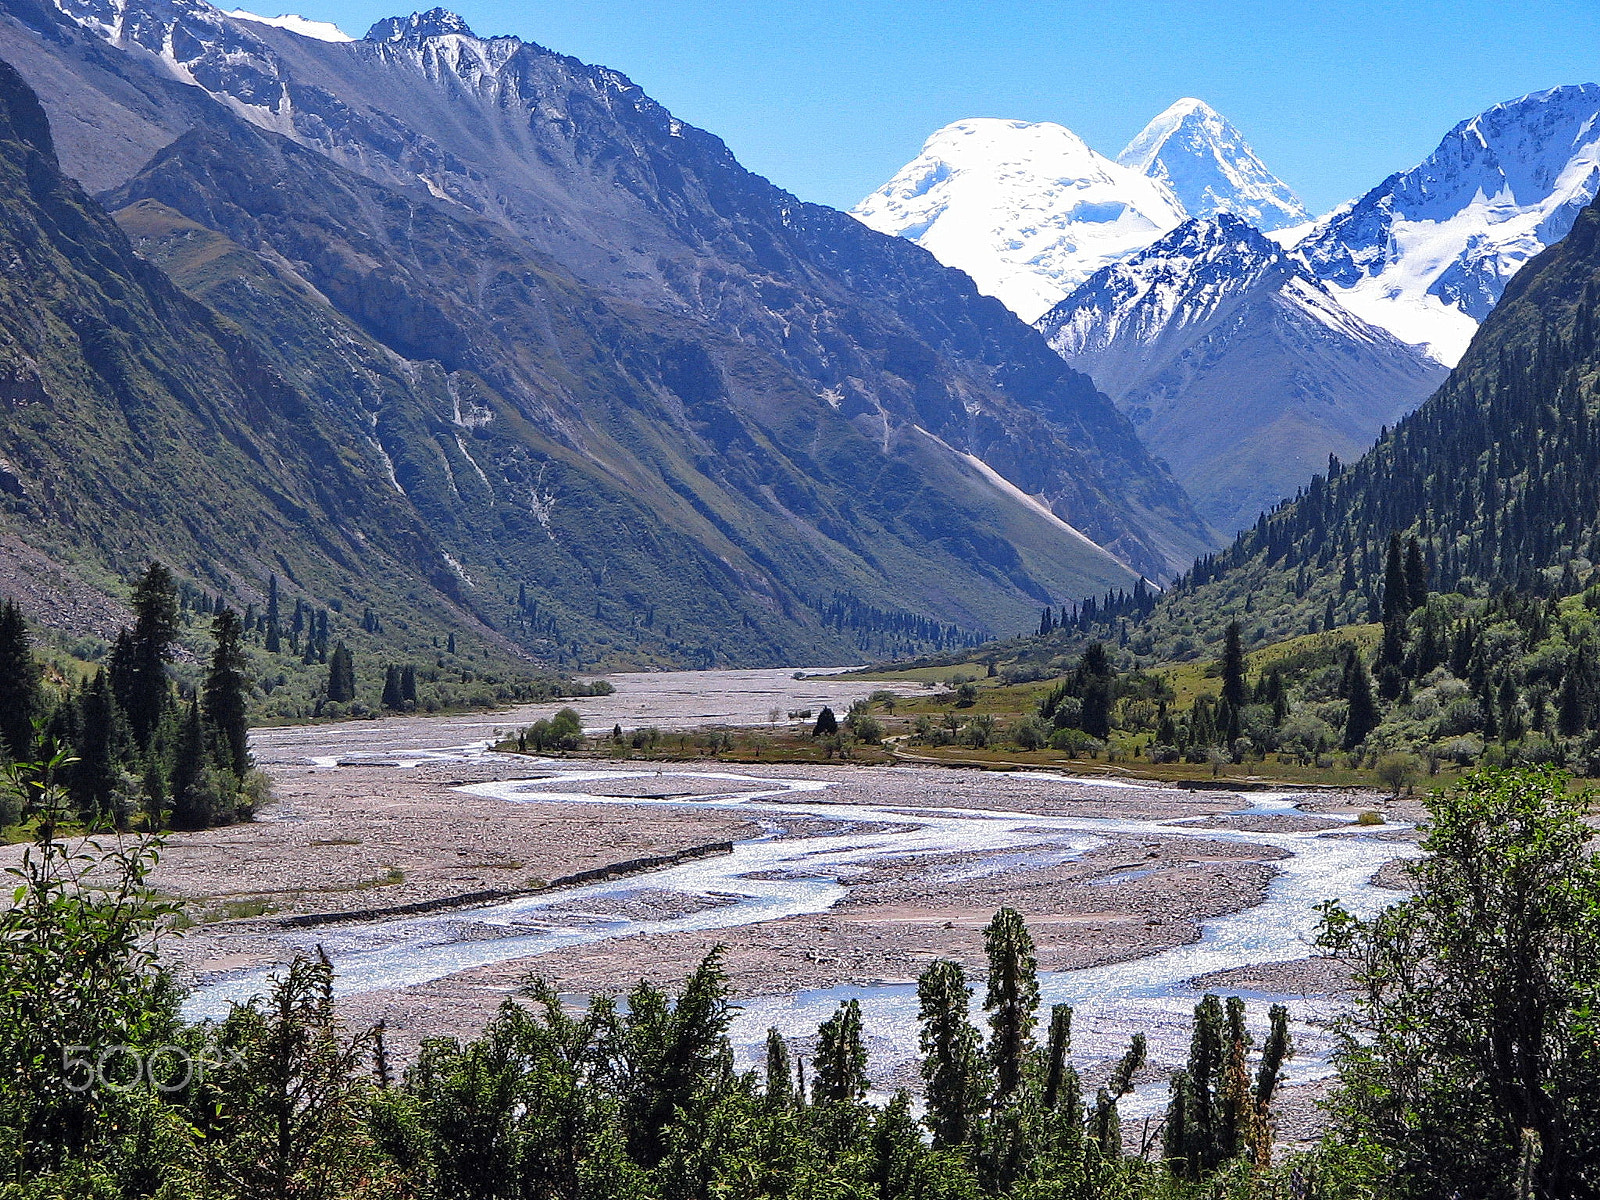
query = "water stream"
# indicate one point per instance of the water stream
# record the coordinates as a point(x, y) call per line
point(772, 876)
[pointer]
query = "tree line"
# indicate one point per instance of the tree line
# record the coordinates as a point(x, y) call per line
point(126, 743)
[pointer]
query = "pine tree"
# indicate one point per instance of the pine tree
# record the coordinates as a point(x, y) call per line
point(225, 693)
point(408, 684)
point(274, 624)
point(341, 674)
point(780, 1081)
point(1416, 576)
point(1361, 716)
point(138, 659)
point(19, 685)
point(1012, 998)
point(952, 1056)
point(392, 696)
point(839, 1068)
point(193, 805)
point(98, 749)
point(1233, 678)
point(827, 724)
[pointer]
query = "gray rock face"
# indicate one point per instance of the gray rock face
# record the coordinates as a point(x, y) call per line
point(1236, 365)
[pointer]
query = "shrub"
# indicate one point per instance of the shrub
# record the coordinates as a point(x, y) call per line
point(1399, 771)
point(1030, 733)
point(1075, 742)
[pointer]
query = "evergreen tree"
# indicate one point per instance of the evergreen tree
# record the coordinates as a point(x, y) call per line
point(341, 674)
point(225, 693)
point(952, 1055)
point(780, 1081)
point(98, 749)
point(274, 623)
point(392, 695)
point(827, 724)
point(839, 1067)
point(19, 685)
point(408, 684)
point(1361, 716)
point(1012, 999)
point(139, 657)
point(1416, 576)
point(1233, 677)
point(192, 799)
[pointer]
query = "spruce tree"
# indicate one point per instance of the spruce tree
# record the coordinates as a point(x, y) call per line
point(139, 657)
point(193, 805)
point(1233, 678)
point(19, 685)
point(1361, 716)
point(780, 1081)
point(952, 1055)
point(1396, 593)
point(341, 685)
point(827, 724)
point(98, 749)
point(225, 693)
point(1416, 576)
point(1012, 999)
point(274, 641)
point(408, 684)
point(839, 1067)
point(392, 697)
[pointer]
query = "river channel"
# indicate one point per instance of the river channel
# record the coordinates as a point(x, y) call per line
point(772, 876)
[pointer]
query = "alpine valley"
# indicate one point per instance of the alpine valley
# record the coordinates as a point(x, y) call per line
point(516, 354)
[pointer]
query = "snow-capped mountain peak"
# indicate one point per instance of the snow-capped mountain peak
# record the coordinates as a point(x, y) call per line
point(1027, 209)
point(323, 31)
point(1428, 251)
point(1209, 166)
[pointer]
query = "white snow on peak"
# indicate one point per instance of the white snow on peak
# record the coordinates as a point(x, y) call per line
point(1426, 253)
point(1209, 166)
point(1028, 210)
point(323, 31)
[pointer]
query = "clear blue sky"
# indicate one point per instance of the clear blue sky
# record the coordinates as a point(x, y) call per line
point(828, 98)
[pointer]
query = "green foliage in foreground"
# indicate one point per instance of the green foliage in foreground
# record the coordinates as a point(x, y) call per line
point(1468, 1070)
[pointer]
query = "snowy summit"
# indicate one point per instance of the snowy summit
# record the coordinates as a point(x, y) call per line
point(1029, 211)
point(323, 31)
point(1198, 153)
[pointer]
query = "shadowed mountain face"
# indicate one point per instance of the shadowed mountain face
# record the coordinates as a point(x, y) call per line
point(606, 350)
point(135, 422)
point(1236, 365)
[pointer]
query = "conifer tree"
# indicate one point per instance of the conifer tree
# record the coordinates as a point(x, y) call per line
point(1012, 999)
point(392, 697)
point(1361, 717)
point(827, 724)
point(1233, 678)
point(780, 1080)
point(952, 1055)
point(341, 674)
point(274, 623)
point(139, 657)
point(98, 745)
point(839, 1067)
point(1416, 576)
point(19, 685)
point(225, 693)
point(408, 684)
point(193, 805)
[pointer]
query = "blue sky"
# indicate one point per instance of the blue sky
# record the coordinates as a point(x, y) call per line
point(828, 98)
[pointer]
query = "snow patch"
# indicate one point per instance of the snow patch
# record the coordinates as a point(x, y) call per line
point(322, 31)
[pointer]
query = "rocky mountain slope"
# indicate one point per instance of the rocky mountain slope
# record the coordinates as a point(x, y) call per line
point(1236, 364)
point(1497, 475)
point(1206, 163)
point(135, 422)
point(1427, 253)
point(594, 352)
